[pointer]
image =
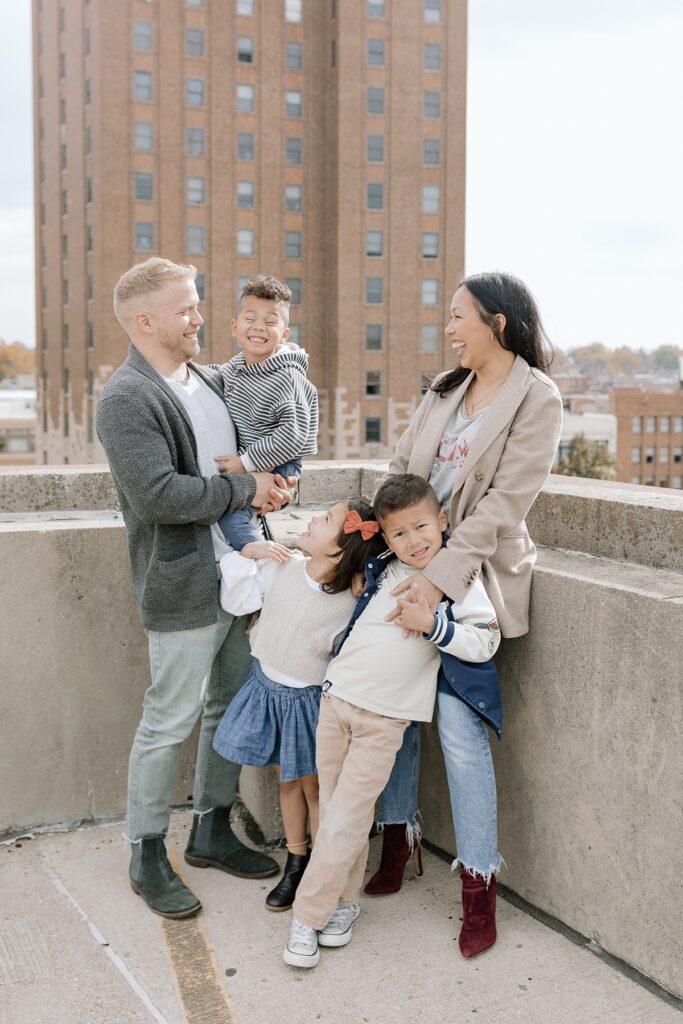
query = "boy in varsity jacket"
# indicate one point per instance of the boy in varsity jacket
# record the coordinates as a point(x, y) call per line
point(272, 403)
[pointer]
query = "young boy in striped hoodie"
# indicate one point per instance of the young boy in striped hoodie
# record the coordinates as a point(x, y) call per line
point(271, 401)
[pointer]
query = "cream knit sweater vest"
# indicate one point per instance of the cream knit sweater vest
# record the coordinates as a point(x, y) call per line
point(298, 624)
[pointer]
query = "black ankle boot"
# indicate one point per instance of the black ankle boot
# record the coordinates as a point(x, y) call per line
point(282, 896)
point(153, 878)
point(213, 844)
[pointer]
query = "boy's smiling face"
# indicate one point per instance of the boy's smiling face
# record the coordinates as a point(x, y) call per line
point(415, 534)
point(261, 325)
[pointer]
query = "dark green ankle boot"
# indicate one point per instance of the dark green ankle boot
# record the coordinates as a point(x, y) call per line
point(213, 844)
point(153, 878)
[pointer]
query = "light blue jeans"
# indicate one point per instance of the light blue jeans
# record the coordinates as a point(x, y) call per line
point(471, 783)
point(194, 671)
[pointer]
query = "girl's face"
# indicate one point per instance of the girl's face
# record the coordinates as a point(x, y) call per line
point(320, 539)
point(471, 338)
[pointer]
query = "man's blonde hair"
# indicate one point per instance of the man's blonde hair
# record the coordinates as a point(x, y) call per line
point(150, 276)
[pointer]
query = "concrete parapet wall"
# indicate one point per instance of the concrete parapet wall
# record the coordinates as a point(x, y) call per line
point(589, 770)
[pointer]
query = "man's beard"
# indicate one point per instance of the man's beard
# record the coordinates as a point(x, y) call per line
point(175, 347)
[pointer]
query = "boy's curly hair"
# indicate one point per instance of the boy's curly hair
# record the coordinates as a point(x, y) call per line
point(354, 551)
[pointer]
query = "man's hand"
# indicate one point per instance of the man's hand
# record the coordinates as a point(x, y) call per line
point(270, 490)
point(259, 549)
point(229, 464)
point(414, 615)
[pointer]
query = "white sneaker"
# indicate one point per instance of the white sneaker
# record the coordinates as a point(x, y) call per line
point(302, 947)
point(339, 928)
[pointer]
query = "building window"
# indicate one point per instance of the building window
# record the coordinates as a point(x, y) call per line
point(636, 424)
point(293, 103)
point(64, 159)
point(375, 196)
point(373, 337)
point(200, 285)
point(194, 92)
point(432, 61)
point(677, 482)
point(333, 53)
point(89, 239)
point(142, 35)
point(245, 8)
point(293, 10)
point(90, 334)
point(245, 99)
point(431, 151)
point(194, 191)
point(196, 239)
point(143, 137)
point(432, 104)
point(195, 141)
point(87, 92)
point(65, 292)
point(89, 288)
point(65, 202)
point(374, 290)
point(245, 242)
point(375, 149)
point(651, 424)
point(430, 245)
point(194, 42)
point(375, 100)
point(678, 424)
point(376, 52)
point(426, 379)
point(429, 338)
point(373, 384)
point(65, 247)
point(292, 245)
point(88, 189)
point(245, 195)
point(664, 481)
point(432, 11)
point(62, 66)
point(144, 187)
point(195, 3)
point(664, 424)
point(429, 294)
point(245, 146)
point(664, 454)
point(293, 56)
point(293, 151)
point(293, 198)
point(373, 430)
point(374, 243)
point(43, 297)
point(65, 346)
point(295, 334)
point(430, 198)
point(294, 285)
point(245, 49)
point(65, 378)
point(88, 141)
point(678, 454)
point(144, 235)
point(62, 111)
point(86, 42)
point(650, 454)
point(376, 8)
point(142, 86)
point(636, 454)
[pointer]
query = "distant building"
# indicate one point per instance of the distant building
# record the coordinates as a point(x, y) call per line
point(17, 426)
point(598, 428)
point(322, 142)
point(650, 436)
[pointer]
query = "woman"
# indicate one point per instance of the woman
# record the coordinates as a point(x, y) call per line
point(485, 436)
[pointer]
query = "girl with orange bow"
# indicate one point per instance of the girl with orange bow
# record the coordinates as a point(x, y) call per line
point(305, 602)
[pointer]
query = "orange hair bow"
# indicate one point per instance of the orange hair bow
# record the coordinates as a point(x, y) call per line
point(367, 527)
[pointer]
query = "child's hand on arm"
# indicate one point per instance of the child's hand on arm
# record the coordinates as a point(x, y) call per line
point(415, 614)
point(230, 464)
point(260, 549)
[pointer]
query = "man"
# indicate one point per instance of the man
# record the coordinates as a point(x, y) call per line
point(162, 420)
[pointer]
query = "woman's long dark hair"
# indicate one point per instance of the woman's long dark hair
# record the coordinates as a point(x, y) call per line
point(523, 333)
point(354, 551)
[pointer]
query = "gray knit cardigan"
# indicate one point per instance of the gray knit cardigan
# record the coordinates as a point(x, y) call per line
point(167, 505)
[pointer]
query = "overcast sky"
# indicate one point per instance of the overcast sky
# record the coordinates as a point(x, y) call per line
point(575, 163)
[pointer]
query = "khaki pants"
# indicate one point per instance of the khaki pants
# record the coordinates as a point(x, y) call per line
point(356, 750)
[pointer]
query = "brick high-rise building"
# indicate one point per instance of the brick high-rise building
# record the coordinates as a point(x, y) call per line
point(320, 141)
point(649, 436)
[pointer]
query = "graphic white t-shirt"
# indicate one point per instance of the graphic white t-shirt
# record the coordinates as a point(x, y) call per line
point(214, 433)
point(453, 450)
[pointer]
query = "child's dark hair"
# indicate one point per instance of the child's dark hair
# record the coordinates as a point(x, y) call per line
point(403, 491)
point(354, 551)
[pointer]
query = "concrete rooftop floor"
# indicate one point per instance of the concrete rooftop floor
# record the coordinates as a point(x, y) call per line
point(78, 947)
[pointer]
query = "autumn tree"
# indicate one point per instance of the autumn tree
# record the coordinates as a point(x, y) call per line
point(588, 459)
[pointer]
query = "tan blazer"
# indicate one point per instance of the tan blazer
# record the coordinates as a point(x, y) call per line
point(509, 459)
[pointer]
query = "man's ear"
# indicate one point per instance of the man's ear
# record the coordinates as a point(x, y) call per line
point(144, 322)
point(443, 520)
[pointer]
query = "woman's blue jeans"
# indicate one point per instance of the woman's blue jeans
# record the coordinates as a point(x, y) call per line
point(471, 783)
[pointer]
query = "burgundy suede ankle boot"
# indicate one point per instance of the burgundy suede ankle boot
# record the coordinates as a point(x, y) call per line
point(478, 930)
point(395, 855)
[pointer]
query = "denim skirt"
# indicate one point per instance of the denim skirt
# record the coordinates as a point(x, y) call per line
point(269, 723)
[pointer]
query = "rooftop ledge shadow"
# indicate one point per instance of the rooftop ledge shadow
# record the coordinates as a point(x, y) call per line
point(589, 770)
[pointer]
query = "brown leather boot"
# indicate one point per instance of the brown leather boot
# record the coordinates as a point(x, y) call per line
point(395, 855)
point(478, 930)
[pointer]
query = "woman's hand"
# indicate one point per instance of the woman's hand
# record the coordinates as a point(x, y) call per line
point(259, 549)
point(431, 594)
point(229, 464)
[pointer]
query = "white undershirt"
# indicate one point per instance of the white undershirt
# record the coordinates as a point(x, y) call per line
point(214, 433)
